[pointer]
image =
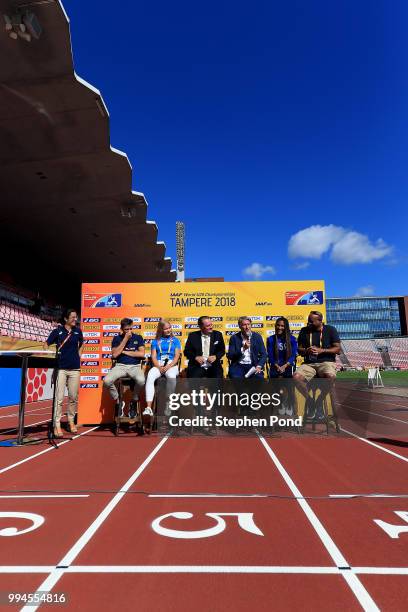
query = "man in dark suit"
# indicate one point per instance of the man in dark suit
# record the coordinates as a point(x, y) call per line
point(204, 350)
point(246, 351)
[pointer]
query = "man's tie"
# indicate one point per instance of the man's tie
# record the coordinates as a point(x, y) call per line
point(206, 349)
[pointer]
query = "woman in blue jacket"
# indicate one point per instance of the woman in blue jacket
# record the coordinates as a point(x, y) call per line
point(282, 350)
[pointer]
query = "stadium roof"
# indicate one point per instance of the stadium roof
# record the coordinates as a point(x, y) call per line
point(66, 196)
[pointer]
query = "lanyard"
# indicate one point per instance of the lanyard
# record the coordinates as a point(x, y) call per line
point(159, 342)
point(321, 338)
point(66, 340)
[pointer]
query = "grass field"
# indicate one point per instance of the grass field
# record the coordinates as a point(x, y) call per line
point(390, 378)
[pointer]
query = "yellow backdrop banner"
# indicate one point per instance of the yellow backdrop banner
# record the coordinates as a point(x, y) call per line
point(105, 304)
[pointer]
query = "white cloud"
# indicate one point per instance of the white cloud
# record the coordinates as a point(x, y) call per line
point(345, 246)
point(364, 291)
point(302, 265)
point(313, 241)
point(257, 270)
point(357, 248)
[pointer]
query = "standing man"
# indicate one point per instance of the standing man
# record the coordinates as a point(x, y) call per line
point(204, 350)
point(318, 344)
point(246, 351)
point(68, 338)
point(128, 350)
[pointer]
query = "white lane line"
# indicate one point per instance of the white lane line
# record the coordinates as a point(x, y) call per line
point(382, 448)
point(202, 569)
point(26, 412)
point(355, 584)
point(177, 495)
point(47, 450)
point(366, 495)
point(383, 416)
point(37, 496)
point(59, 570)
point(25, 427)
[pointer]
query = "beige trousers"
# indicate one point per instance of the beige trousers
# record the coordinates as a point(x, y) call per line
point(119, 371)
point(70, 379)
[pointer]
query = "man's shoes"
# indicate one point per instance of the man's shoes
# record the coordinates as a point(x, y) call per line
point(58, 433)
point(119, 408)
point(133, 410)
point(319, 413)
point(288, 410)
point(310, 408)
point(72, 427)
point(167, 411)
point(282, 409)
point(147, 411)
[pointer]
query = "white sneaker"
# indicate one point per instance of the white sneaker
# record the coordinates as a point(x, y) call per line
point(147, 411)
point(282, 410)
point(121, 408)
point(167, 411)
point(289, 410)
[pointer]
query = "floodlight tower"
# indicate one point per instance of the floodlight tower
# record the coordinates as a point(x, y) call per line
point(180, 243)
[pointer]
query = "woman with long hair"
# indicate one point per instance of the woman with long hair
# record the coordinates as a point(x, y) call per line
point(165, 355)
point(68, 339)
point(282, 351)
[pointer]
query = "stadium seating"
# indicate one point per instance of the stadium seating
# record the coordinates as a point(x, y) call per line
point(18, 322)
point(381, 352)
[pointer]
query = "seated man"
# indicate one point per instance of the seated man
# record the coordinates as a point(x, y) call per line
point(204, 350)
point(128, 351)
point(246, 351)
point(318, 344)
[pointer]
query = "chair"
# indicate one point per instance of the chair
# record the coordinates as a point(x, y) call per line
point(124, 383)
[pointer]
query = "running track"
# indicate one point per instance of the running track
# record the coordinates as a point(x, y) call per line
point(309, 550)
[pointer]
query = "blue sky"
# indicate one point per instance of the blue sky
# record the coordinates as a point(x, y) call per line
point(278, 131)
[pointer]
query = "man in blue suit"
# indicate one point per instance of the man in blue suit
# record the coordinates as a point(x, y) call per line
point(246, 351)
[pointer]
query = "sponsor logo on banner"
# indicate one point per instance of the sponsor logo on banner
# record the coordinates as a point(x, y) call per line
point(256, 318)
point(89, 370)
point(136, 326)
point(105, 370)
point(149, 334)
point(89, 378)
point(272, 317)
point(270, 332)
point(94, 343)
point(257, 325)
point(150, 326)
point(296, 324)
point(106, 364)
point(89, 385)
point(191, 319)
point(142, 305)
point(111, 326)
point(89, 363)
point(90, 327)
point(136, 319)
point(263, 304)
point(91, 334)
point(151, 319)
point(191, 326)
point(91, 320)
point(111, 320)
point(231, 326)
point(106, 355)
point(107, 349)
point(177, 333)
point(109, 334)
point(229, 333)
point(216, 318)
point(101, 300)
point(90, 356)
point(304, 298)
point(177, 326)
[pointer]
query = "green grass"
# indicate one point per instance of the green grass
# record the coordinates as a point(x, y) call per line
point(389, 378)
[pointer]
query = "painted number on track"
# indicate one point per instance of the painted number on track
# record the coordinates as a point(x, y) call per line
point(394, 530)
point(245, 521)
point(36, 521)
